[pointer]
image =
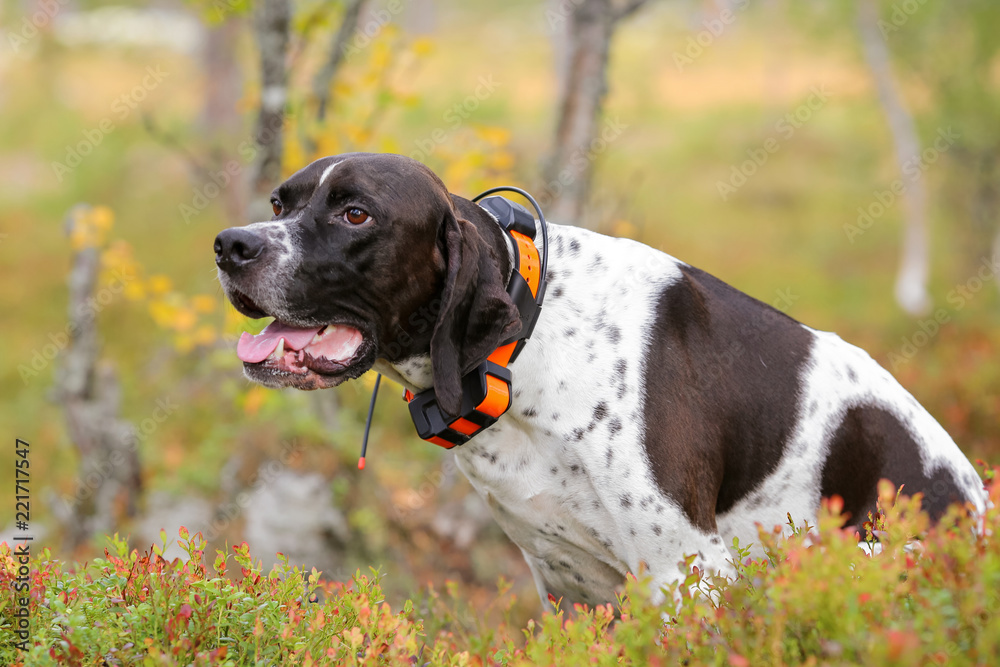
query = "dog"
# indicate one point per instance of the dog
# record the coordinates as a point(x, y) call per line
point(656, 413)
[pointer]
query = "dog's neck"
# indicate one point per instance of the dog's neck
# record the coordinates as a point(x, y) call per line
point(415, 372)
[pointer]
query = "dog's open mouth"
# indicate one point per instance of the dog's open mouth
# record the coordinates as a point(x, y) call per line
point(305, 358)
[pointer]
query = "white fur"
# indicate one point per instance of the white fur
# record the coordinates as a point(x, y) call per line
point(326, 172)
point(794, 487)
point(577, 536)
point(583, 520)
point(277, 269)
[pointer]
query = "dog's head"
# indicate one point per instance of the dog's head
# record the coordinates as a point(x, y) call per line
point(368, 256)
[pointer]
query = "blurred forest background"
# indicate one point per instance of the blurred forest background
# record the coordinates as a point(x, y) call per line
point(839, 159)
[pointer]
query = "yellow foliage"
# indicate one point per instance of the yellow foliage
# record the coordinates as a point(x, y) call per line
point(135, 290)
point(388, 145)
point(624, 228)
point(117, 253)
point(423, 46)
point(356, 134)
point(255, 398)
point(294, 156)
point(158, 285)
point(408, 100)
point(162, 313)
point(327, 144)
point(184, 319)
point(494, 136)
point(502, 161)
point(342, 89)
point(102, 218)
point(184, 343)
point(365, 87)
point(169, 308)
point(89, 227)
point(381, 57)
point(204, 335)
point(203, 303)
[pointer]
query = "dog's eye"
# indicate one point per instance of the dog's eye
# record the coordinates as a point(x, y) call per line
point(356, 216)
point(276, 206)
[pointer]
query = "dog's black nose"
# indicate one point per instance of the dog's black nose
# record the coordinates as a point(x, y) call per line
point(236, 247)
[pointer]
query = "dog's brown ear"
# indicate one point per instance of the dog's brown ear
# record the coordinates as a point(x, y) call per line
point(476, 312)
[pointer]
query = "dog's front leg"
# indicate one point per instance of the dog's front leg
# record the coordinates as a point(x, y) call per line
point(672, 557)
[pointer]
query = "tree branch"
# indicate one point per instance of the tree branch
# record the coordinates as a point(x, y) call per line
point(271, 25)
point(324, 78)
point(626, 10)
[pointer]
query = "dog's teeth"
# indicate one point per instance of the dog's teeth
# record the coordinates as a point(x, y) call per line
point(279, 351)
point(330, 328)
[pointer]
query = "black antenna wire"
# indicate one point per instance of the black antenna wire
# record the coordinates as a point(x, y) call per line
point(545, 231)
point(368, 423)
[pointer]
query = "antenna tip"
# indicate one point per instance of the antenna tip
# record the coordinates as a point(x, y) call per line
point(361, 463)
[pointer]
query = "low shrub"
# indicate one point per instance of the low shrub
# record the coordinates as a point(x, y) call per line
point(811, 598)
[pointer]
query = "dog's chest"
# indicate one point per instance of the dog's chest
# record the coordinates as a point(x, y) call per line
point(544, 501)
point(564, 471)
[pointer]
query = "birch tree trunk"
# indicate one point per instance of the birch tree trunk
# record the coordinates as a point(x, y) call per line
point(108, 481)
point(272, 19)
point(221, 121)
point(583, 55)
point(914, 268)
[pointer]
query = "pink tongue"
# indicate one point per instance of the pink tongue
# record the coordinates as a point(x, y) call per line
point(253, 349)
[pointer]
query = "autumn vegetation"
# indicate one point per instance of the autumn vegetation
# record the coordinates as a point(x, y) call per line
point(414, 576)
